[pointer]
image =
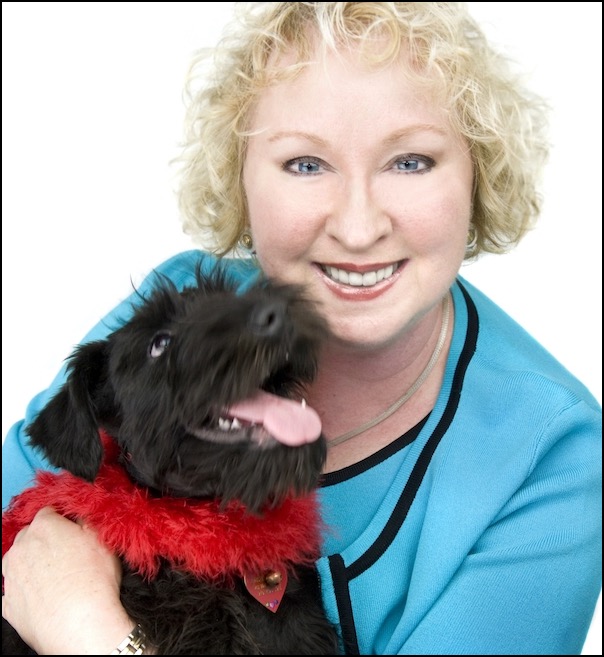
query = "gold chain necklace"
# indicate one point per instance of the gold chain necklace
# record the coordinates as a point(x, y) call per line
point(412, 390)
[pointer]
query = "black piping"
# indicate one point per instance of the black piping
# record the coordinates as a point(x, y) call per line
point(342, 575)
point(403, 505)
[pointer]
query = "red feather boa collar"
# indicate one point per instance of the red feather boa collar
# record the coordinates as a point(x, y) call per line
point(191, 535)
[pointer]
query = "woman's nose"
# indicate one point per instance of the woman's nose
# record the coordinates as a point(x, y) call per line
point(357, 220)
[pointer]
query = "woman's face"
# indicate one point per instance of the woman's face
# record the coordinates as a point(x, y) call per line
point(358, 189)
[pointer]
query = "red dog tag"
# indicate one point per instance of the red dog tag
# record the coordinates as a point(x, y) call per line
point(268, 588)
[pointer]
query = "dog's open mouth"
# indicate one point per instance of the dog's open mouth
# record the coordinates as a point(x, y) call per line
point(262, 419)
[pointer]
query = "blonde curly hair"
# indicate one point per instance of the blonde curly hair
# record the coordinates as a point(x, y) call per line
point(502, 122)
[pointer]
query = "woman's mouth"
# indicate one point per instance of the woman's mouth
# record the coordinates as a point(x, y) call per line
point(355, 278)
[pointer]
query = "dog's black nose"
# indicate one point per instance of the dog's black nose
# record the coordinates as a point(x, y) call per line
point(267, 318)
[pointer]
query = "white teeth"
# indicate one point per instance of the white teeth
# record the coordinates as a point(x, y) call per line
point(356, 279)
point(303, 402)
point(369, 278)
point(229, 425)
point(338, 275)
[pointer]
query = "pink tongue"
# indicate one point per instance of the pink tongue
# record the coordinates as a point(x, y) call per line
point(287, 421)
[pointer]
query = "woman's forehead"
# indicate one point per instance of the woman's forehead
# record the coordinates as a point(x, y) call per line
point(335, 81)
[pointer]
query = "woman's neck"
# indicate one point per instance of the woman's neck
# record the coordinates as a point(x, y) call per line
point(355, 385)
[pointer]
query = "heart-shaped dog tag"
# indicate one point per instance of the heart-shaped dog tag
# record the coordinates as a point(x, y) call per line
point(268, 587)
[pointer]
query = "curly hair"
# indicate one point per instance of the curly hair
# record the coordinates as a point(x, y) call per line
point(502, 122)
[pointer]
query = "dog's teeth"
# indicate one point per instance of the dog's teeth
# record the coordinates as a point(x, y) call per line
point(225, 424)
point(303, 402)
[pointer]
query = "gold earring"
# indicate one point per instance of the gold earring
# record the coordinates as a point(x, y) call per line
point(246, 241)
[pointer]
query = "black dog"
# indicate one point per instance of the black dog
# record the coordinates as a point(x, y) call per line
point(190, 399)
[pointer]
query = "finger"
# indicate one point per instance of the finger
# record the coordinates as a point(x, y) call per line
point(45, 511)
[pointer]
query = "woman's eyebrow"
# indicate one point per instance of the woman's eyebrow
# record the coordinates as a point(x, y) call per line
point(414, 129)
point(393, 138)
point(297, 134)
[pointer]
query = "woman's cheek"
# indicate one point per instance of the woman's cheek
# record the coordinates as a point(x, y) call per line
point(289, 215)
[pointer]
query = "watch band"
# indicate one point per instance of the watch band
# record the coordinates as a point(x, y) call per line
point(133, 644)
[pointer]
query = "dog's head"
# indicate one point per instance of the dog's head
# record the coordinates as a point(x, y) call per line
point(202, 390)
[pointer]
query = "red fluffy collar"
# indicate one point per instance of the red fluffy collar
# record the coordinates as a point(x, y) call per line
point(191, 535)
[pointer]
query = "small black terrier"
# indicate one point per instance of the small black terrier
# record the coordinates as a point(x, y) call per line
point(186, 443)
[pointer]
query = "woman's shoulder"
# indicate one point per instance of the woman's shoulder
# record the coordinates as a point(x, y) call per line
point(511, 352)
point(181, 268)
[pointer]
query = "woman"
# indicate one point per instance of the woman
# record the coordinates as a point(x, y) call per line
point(366, 150)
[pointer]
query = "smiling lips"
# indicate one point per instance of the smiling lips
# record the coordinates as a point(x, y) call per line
point(348, 282)
point(357, 278)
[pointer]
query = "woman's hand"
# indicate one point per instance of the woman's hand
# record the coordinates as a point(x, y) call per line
point(61, 589)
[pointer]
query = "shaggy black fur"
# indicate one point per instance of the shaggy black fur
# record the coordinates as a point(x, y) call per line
point(157, 385)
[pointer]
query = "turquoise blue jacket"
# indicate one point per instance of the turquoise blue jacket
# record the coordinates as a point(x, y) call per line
point(479, 531)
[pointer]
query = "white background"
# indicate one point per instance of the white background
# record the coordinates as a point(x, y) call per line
point(92, 113)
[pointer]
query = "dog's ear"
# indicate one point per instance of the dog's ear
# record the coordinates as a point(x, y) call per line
point(67, 429)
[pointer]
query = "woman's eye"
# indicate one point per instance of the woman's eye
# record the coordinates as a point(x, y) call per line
point(413, 164)
point(159, 344)
point(304, 166)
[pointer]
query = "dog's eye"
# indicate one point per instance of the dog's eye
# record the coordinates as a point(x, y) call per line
point(159, 344)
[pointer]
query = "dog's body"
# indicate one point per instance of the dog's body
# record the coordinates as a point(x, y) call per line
point(165, 389)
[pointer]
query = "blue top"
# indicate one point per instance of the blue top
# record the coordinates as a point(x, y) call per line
point(479, 531)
